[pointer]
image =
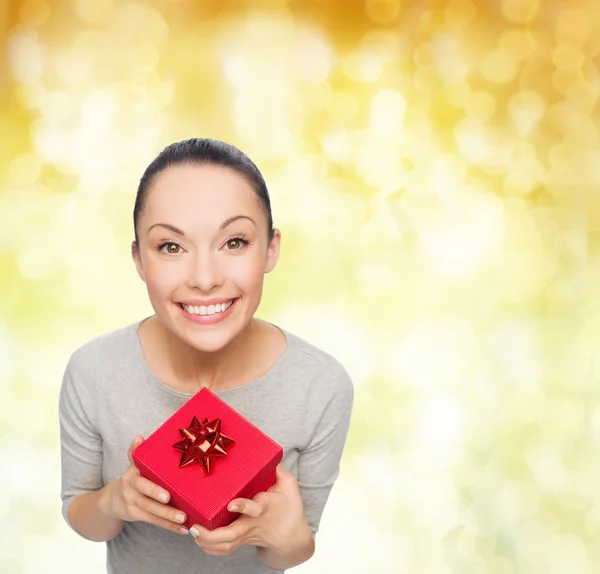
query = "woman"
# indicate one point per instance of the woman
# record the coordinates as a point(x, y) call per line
point(204, 239)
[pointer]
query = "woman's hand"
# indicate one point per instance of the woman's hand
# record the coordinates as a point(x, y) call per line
point(273, 520)
point(133, 497)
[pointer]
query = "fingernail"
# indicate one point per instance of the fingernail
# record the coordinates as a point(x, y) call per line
point(233, 508)
point(184, 530)
point(163, 497)
point(194, 532)
point(180, 517)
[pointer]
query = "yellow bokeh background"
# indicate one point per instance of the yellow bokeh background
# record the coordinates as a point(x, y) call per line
point(434, 168)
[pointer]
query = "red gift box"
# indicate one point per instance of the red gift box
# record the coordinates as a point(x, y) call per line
point(246, 468)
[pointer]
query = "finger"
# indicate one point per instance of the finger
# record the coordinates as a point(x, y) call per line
point(282, 474)
point(252, 508)
point(161, 511)
point(148, 488)
point(285, 481)
point(223, 535)
point(221, 550)
point(138, 439)
point(162, 522)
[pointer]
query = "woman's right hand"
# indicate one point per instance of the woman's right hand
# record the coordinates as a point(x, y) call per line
point(135, 498)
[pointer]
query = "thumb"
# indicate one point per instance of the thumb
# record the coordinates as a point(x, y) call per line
point(245, 506)
point(285, 482)
point(134, 444)
point(284, 476)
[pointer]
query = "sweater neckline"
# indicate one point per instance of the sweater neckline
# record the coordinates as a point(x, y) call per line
point(277, 366)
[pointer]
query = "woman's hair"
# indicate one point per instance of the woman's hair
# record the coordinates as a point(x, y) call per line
point(203, 151)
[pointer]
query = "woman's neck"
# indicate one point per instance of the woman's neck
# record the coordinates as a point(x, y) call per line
point(186, 369)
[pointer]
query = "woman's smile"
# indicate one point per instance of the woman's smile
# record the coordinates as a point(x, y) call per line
point(208, 314)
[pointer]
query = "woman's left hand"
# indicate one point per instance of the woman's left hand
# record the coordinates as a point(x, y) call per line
point(272, 519)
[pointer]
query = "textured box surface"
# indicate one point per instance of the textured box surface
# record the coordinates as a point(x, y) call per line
point(247, 469)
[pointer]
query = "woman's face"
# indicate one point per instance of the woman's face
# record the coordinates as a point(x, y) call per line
point(203, 251)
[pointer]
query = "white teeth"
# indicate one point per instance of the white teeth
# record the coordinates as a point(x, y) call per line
point(210, 310)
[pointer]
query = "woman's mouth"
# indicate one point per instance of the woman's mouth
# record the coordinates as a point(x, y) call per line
point(207, 310)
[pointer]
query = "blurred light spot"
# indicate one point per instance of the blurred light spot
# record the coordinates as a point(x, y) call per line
point(151, 28)
point(34, 12)
point(573, 27)
point(500, 565)
point(343, 105)
point(567, 57)
point(98, 113)
point(520, 11)
point(526, 108)
point(377, 280)
point(347, 341)
point(34, 262)
point(427, 80)
point(313, 56)
point(480, 105)
point(74, 67)
point(145, 57)
point(525, 171)
point(531, 540)
point(563, 80)
point(584, 95)
point(595, 423)
point(452, 342)
point(562, 115)
point(56, 107)
point(447, 54)
point(499, 66)
point(460, 12)
point(6, 363)
point(387, 114)
point(472, 138)
point(521, 43)
point(423, 56)
point(456, 248)
point(336, 145)
point(26, 57)
point(25, 169)
point(382, 11)
point(518, 501)
point(546, 463)
point(363, 66)
point(94, 11)
point(566, 553)
point(441, 428)
point(517, 347)
point(455, 93)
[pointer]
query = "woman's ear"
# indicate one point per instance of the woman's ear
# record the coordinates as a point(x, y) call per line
point(135, 253)
point(273, 251)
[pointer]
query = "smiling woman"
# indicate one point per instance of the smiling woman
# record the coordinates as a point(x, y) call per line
point(204, 240)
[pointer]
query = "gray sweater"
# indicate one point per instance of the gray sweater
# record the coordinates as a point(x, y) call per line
point(109, 395)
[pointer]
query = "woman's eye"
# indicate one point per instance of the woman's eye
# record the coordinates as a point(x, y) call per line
point(235, 243)
point(170, 248)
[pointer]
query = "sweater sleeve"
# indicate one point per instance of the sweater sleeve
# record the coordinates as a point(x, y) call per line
point(328, 412)
point(81, 444)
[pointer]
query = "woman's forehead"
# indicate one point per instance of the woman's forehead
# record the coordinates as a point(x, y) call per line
point(208, 188)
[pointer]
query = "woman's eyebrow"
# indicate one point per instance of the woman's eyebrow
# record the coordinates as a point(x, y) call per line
point(235, 218)
point(222, 226)
point(168, 226)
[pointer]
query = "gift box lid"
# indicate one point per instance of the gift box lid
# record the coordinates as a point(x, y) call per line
point(251, 454)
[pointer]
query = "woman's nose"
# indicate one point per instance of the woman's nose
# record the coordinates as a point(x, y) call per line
point(204, 272)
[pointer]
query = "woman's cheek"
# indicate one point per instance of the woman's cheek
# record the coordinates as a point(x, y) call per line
point(247, 273)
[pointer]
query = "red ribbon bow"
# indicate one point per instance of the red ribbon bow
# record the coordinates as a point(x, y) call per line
point(203, 442)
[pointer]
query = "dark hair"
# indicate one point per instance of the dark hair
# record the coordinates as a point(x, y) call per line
point(203, 151)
